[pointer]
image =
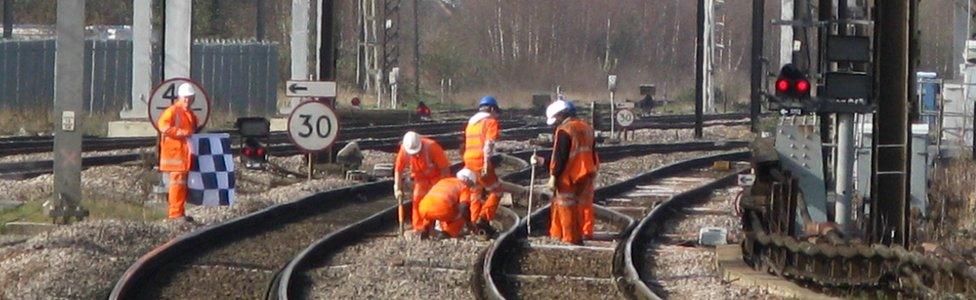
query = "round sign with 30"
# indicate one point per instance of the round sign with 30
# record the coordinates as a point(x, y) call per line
point(625, 117)
point(313, 126)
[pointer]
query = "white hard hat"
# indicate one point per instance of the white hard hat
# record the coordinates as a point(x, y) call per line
point(554, 109)
point(467, 175)
point(411, 143)
point(186, 90)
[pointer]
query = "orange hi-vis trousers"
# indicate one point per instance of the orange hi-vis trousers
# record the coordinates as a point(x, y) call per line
point(485, 209)
point(586, 208)
point(177, 194)
point(565, 219)
point(435, 209)
point(420, 189)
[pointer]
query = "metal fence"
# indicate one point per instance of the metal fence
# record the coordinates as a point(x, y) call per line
point(240, 77)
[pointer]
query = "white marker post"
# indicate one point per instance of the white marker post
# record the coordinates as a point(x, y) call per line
point(612, 87)
point(313, 126)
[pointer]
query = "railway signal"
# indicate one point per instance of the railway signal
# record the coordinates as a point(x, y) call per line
point(792, 84)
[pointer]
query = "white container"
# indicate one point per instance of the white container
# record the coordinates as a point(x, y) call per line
point(712, 236)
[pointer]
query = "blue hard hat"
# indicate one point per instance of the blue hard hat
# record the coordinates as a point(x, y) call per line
point(488, 101)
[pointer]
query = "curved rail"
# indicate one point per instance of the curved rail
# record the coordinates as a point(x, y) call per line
point(490, 288)
point(649, 226)
point(170, 251)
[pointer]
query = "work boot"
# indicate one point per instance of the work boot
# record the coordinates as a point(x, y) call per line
point(188, 219)
point(484, 228)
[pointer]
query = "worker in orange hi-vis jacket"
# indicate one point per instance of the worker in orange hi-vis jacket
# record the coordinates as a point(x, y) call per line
point(428, 164)
point(176, 125)
point(572, 168)
point(444, 203)
point(480, 136)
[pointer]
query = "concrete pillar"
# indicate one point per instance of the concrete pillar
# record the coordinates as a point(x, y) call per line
point(299, 46)
point(176, 62)
point(141, 60)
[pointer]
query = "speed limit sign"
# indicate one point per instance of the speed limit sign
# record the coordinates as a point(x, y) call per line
point(164, 94)
point(313, 126)
point(625, 117)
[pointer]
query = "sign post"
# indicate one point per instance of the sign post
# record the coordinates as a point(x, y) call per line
point(313, 126)
point(625, 118)
point(612, 87)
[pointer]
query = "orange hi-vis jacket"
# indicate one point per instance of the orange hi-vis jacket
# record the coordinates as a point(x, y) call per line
point(581, 162)
point(426, 165)
point(446, 195)
point(482, 127)
point(176, 124)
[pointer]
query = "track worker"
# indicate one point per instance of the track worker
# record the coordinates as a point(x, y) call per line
point(176, 125)
point(444, 203)
point(428, 164)
point(572, 170)
point(479, 145)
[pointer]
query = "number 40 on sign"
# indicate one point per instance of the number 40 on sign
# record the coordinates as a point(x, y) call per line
point(313, 126)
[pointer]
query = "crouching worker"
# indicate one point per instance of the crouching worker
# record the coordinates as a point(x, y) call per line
point(445, 203)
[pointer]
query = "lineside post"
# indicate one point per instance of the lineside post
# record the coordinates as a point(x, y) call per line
point(68, 112)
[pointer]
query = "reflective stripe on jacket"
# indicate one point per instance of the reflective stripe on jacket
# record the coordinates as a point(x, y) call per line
point(176, 124)
point(581, 161)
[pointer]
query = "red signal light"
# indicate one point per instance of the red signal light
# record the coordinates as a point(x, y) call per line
point(248, 151)
point(782, 85)
point(802, 86)
point(260, 152)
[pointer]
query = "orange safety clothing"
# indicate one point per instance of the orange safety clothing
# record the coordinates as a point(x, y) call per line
point(581, 162)
point(442, 204)
point(564, 219)
point(431, 164)
point(426, 168)
point(176, 124)
point(485, 208)
point(177, 194)
point(572, 209)
point(483, 128)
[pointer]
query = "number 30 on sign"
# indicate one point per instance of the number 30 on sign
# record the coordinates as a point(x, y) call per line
point(313, 126)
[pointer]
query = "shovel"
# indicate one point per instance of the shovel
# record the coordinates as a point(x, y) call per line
point(400, 212)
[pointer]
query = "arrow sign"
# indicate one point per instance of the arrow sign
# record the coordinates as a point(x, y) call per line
point(310, 89)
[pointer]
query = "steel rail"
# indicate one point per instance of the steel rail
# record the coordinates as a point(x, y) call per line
point(628, 264)
point(140, 271)
point(37, 144)
point(493, 257)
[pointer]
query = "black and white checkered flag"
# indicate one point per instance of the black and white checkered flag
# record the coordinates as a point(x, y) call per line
point(211, 179)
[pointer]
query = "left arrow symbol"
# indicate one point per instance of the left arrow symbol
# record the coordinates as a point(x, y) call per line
point(294, 87)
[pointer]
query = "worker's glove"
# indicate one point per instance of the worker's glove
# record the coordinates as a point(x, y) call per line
point(180, 133)
point(551, 185)
point(398, 192)
point(537, 160)
point(484, 171)
point(462, 211)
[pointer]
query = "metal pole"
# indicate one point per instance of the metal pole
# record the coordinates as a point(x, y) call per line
point(8, 19)
point(68, 110)
point(844, 179)
point(326, 41)
point(758, 18)
point(613, 120)
point(894, 68)
point(699, 71)
point(416, 48)
point(786, 33)
point(259, 20)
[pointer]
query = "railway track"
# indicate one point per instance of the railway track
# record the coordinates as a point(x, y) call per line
point(38, 144)
point(527, 265)
point(661, 258)
point(240, 258)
